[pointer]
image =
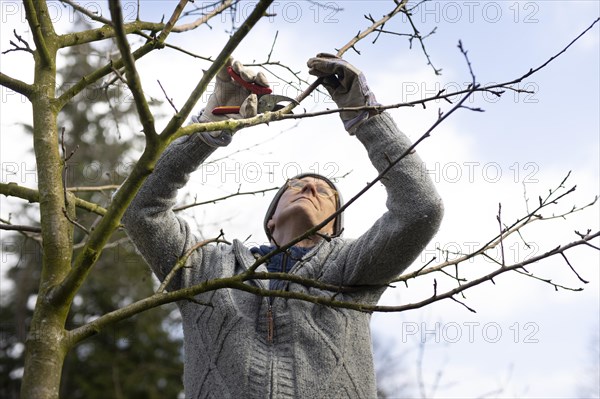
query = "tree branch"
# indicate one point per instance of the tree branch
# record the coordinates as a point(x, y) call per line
point(36, 30)
point(16, 85)
point(529, 217)
point(16, 227)
point(35, 236)
point(99, 74)
point(94, 188)
point(376, 24)
point(212, 201)
point(16, 47)
point(237, 282)
point(133, 79)
point(31, 195)
point(181, 262)
point(84, 11)
point(420, 38)
point(136, 27)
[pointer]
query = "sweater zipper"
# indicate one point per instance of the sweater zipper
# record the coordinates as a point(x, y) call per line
point(270, 323)
point(271, 327)
point(270, 320)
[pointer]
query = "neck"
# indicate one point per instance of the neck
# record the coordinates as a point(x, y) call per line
point(283, 237)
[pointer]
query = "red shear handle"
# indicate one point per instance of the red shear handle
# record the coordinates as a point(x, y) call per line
point(253, 87)
point(228, 109)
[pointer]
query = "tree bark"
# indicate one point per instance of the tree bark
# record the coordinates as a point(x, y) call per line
point(46, 343)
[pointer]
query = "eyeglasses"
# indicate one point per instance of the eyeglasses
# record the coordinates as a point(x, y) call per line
point(323, 190)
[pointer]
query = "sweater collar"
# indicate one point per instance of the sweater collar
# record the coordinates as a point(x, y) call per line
point(284, 261)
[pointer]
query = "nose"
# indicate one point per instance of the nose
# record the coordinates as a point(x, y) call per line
point(311, 187)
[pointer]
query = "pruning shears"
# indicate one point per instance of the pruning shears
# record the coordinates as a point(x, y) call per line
point(266, 100)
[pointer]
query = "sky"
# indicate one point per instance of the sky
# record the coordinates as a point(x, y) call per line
point(526, 339)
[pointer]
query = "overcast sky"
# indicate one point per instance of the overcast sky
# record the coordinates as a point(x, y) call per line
point(526, 339)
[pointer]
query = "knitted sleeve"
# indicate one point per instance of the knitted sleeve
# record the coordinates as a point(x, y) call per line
point(414, 211)
point(159, 234)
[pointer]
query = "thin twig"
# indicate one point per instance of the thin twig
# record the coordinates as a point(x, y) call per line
point(181, 262)
point(16, 47)
point(74, 222)
point(501, 235)
point(93, 188)
point(170, 100)
point(573, 269)
point(87, 13)
point(215, 200)
point(420, 38)
point(17, 227)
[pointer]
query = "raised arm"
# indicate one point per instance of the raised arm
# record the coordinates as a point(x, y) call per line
point(161, 236)
point(414, 208)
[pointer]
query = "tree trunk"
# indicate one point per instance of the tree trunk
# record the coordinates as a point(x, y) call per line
point(45, 353)
point(46, 343)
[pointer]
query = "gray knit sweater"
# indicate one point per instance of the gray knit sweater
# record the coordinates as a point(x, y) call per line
point(315, 351)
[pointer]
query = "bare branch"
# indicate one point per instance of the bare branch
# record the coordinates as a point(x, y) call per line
point(16, 47)
point(181, 262)
point(205, 18)
point(14, 190)
point(516, 227)
point(420, 38)
point(573, 269)
point(170, 100)
point(89, 14)
point(133, 79)
point(100, 73)
point(16, 227)
point(499, 219)
point(215, 200)
point(237, 282)
point(548, 281)
point(137, 27)
point(35, 236)
point(93, 188)
point(16, 85)
point(75, 222)
point(463, 304)
point(36, 29)
point(172, 21)
point(376, 24)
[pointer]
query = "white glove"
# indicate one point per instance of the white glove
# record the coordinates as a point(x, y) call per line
point(228, 92)
point(346, 85)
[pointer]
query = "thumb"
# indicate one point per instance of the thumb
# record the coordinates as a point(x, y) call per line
point(249, 107)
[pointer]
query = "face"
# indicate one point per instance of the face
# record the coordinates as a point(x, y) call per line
point(305, 203)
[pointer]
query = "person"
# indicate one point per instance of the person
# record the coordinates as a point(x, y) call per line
point(241, 345)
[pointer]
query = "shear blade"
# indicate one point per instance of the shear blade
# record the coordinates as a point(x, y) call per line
point(270, 102)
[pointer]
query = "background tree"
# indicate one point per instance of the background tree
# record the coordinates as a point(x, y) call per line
point(138, 358)
point(66, 268)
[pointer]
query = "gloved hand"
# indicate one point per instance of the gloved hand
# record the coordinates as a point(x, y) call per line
point(346, 85)
point(231, 93)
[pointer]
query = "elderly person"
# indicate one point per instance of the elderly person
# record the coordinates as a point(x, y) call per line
point(245, 346)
